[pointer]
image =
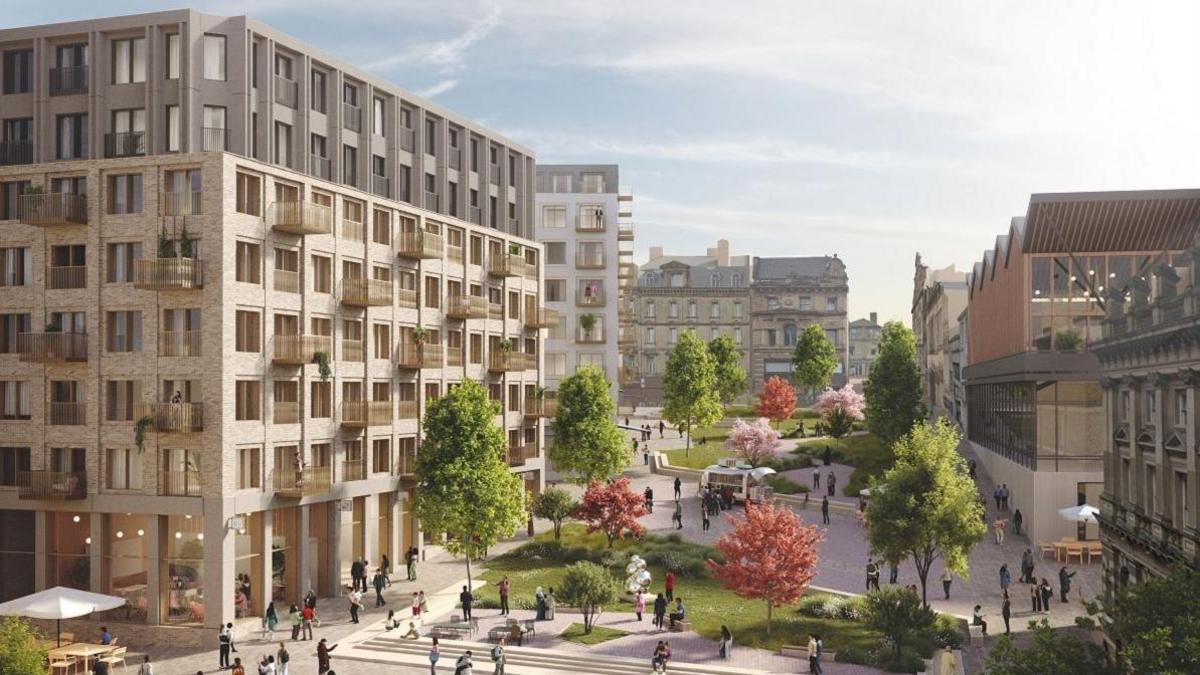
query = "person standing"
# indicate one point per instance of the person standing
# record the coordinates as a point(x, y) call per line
point(998, 530)
point(1006, 612)
point(831, 483)
point(307, 616)
point(282, 657)
point(678, 488)
point(872, 575)
point(996, 497)
point(225, 644)
point(669, 584)
point(893, 571)
point(816, 478)
point(238, 669)
point(356, 571)
point(649, 496)
point(1026, 566)
point(677, 517)
point(386, 569)
point(310, 599)
point(639, 604)
point(294, 619)
point(379, 582)
point(825, 510)
point(1047, 594)
point(498, 657)
point(660, 610)
point(726, 642)
point(947, 579)
point(466, 599)
point(355, 599)
point(1064, 582)
point(1018, 519)
point(1035, 597)
point(1005, 577)
point(323, 656)
point(270, 620)
point(435, 653)
point(503, 589)
point(551, 604)
point(662, 427)
point(704, 517)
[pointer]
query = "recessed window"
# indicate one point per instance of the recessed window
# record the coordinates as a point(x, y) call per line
point(214, 57)
point(129, 60)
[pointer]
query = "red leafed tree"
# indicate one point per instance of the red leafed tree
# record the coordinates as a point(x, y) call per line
point(777, 401)
point(612, 508)
point(769, 555)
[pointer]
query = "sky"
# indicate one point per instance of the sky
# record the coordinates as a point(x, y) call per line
point(873, 129)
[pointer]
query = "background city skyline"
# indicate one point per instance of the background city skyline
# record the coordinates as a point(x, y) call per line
point(861, 129)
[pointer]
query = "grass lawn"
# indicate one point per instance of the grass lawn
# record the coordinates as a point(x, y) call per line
point(866, 453)
point(713, 437)
point(785, 486)
point(708, 604)
point(574, 633)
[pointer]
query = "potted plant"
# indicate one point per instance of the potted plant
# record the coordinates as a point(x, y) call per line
point(321, 358)
point(587, 322)
point(514, 249)
point(140, 427)
point(420, 335)
point(505, 346)
point(166, 247)
point(34, 190)
point(185, 243)
point(1067, 340)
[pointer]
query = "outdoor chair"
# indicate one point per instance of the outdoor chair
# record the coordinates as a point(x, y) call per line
point(67, 638)
point(115, 657)
point(1045, 548)
point(1074, 550)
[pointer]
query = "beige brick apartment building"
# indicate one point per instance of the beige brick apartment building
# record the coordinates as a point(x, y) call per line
point(312, 213)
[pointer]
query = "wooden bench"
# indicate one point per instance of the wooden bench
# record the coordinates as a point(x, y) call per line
point(680, 626)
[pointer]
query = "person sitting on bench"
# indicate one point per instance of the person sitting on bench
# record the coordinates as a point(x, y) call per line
point(678, 614)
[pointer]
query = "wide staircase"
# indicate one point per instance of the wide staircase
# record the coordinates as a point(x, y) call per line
point(389, 648)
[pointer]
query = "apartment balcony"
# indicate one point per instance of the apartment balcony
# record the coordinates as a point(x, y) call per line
point(627, 271)
point(475, 215)
point(454, 254)
point(179, 483)
point(172, 418)
point(409, 356)
point(595, 336)
point(168, 274)
point(180, 343)
point(406, 463)
point(589, 298)
point(406, 297)
point(407, 139)
point(322, 167)
point(285, 412)
point(506, 265)
point(285, 91)
point(361, 414)
point(300, 218)
point(125, 144)
point(352, 350)
point(366, 293)
point(306, 482)
point(432, 356)
point(420, 244)
point(287, 281)
point(16, 152)
point(298, 350)
point(52, 485)
point(495, 311)
point(519, 454)
point(64, 277)
point(455, 356)
point(52, 208)
point(540, 408)
point(466, 307)
point(590, 260)
point(381, 185)
point(589, 222)
point(431, 201)
point(625, 232)
point(68, 80)
point(406, 410)
point(625, 338)
point(351, 117)
point(214, 139)
point(542, 317)
point(53, 347)
point(69, 414)
point(352, 230)
point(500, 361)
point(180, 203)
point(354, 469)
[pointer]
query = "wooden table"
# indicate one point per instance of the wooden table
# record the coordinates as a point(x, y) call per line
point(1090, 547)
point(84, 651)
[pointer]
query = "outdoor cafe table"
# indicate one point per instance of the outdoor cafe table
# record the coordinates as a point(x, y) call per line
point(461, 627)
point(82, 650)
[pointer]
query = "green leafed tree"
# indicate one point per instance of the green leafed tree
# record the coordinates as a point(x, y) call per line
point(689, 386)
point(1064, 652)
point(589, 587)
point(464, 486)
point(1156, 623)
point(897, 613)
point(588, 445)
point(813, 358)
point(925, 506)
point(727, 361)
point(556, 506)
point(20, 653)
point(893, 386)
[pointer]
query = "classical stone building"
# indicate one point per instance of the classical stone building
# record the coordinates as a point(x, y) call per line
point(864, 343)
point(786, 296)
point(269, 262)
point(938, 298)
point(1150, 360)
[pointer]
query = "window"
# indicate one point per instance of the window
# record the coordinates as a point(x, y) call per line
point(249, 194)
point(14, 400)
point(349, 165)
point(321, 400)
point(556, 290)
point(381, 455)
point(248, 400)
point(674, 336)
point(650, 309)
point(318, 91)
point(593, 182)
point(18, 71)
point(831, 304)
point(381, 334)
point(283, 144)
point(1181, 410)
point(714, 310)
point(806, 304)
point(691, 309)
point(10, 326)
point(15, 266)
point(1126, 406)
point(173, 56)
point(432, 292)
point(124, 331)
point(737, 310)
point(71, 136)
point(128, 60)
point(673, 310)
point(430, 137)
point(248, 330)
point(737, 334)
point(556, 253)
point(789, 334)
point(377, 125)
point(128, 127)
point(249, 469)
point(249, 263)
point(119, 399)
point(122, 469)
point(213, 132)
point(214, 57)
point(1151, 406)
point(12, 462)
point(174, 136)
point(649, 335)
point(831, 334)
point(322, 274)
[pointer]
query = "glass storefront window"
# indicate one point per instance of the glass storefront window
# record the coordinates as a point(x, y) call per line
point(248, 551)
point(127, 563)
point(183, 570)
point(17, 535)
point(67, 549)
point(284, 559)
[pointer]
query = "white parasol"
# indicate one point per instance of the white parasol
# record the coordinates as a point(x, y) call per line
point(1084, 513)
point(59, 603)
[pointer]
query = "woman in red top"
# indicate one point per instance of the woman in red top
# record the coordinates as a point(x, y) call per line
point(670, 585)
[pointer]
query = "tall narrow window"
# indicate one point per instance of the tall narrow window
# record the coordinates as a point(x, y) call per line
point(18, 71)
point(377, 125)
point(283, 144)
point(214, 133)
point(214, 57)
point(129, 60)
point(173, 130)
point(173, 68)
point(318, 91)
point(72, 136)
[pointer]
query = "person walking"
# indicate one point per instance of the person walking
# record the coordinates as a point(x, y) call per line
point(551, 604)
point(816, 478)
point(660, 610)
point(282, 658)
point(639, 604)
point(824, 510)
point(307, 616)
point(893, 571)
point(677, 517)
point(872, 575)
point(355, 599)
point(649, 496)
point(1005, 577)
point(270, 620)
point(1047, 594)
point(323, 651)
point(386, 568)
point(1018, 520)
point(814, 654)
point(947, 579)
point(379, 582)
point(435, 653)
point(996, 497)
point(464, 665)
point(669, 584)
point(294, 619)
point(678, 488)
point(1064, 582)
point(466, 599)
point(998, 530)
point(408, 564)
point(662, 427)
point(1035, 597)
point(1026, 566)
point(1006, 612)
point(726, 642)
point(224, 645)
point(503, 588)
point(498, 657)
point(704, 517)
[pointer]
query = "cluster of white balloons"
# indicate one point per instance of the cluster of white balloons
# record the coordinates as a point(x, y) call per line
point(639, 576)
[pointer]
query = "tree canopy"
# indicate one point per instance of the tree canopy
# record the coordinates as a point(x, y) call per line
point(814, 358)
point(727, 359)
point(612, 508)
point(588, 445)
point(897, 613)
point(777, 401)
point(1063, 652)
point(20, 652)
point(840, 408)
point(464, 484)
point(893, 386)
point(753, 442)
point(555, 505)
point(925, 506)
point(1156, 623)
point(689, 386)
point(589, 587)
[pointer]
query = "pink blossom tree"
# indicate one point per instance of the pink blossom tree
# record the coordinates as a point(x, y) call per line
point(840, 408)
point(753, 442)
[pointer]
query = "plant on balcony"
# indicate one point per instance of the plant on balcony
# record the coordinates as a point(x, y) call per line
point(53, 328)
point(185, 243)
point(514, 249)
point(139, 431)
point(587, 322)
point(166, 246)
point(321, 358)
point(505, 346)
point(1067, 340)
point(420, 334)
point(34, 190)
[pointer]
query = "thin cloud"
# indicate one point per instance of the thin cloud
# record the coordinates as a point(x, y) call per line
point(438, 88)
point(446, 55)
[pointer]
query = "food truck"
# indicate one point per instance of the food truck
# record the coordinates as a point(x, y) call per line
point(745, 481)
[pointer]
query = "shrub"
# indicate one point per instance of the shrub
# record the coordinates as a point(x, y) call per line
point(812, 605)
point(858, 655)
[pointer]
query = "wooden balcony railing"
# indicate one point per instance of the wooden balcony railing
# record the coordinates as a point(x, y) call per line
point(366, 292)
point(51, 485)
point(298, 350)
point(420, 244)
point(507, 265)
point(66, 277)
point(594, 336)
point(592, 298)
point(300, 218)
point(287, 281)
point(52, 208)
point(309, 481)
point(406, 410)
point(52, 347)
point(352, 230)
point(286, 412)
point(542, 318)
point(180, 203)
point(366, 413)
point(179, 343)
point(537, 408)
point(496, 311)
point(406, 297)
point(70, 414)
point(168, 274)
point(432, 356)
point(454, 254)
point(179, 483)
point(172, 418)
point(354, 469)
point(408, 356)
point(352, 350)
point(510, 362)
point(454, 356)
point(466, 307)
point(590, 260)
point(625, 232)
point(519, 454)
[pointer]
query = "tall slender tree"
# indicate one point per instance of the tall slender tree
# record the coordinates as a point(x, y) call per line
point(588, 445)
point(689, 386)
point(813, 359)
point(464, 486)
point(727, 359)
point(893, 387)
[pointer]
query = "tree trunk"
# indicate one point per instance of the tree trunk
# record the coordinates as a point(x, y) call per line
point(557, 530)
point(687, 450)
point(468, 557)
point(923, 566)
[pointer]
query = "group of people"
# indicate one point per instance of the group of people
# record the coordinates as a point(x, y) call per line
point(830, 481)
